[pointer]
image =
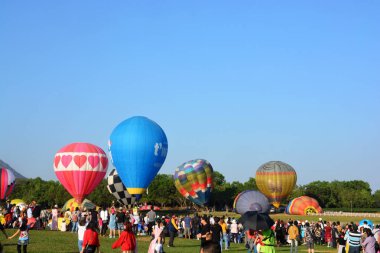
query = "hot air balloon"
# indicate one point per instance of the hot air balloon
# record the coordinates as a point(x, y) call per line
point(138, 147)
point(303, 205)
point(276, 180)
point(116, 188)
point(72, 204)
point(80, 167)
point(251, 200)
point(194, 180)
point(7, 183)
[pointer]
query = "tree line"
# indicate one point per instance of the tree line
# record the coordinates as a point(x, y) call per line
point(162, 192)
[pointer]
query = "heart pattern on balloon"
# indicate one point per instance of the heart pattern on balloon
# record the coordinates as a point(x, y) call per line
point(66, 160)
point(104, 161)
point(57, 159)
point(94, 161)
point(80, 160)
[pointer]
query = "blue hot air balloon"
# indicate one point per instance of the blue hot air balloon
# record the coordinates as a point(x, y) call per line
point(138, 148)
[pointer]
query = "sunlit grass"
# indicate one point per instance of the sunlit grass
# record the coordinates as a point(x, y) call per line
point(66, 242)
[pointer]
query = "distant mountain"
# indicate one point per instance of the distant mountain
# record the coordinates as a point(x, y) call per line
point(5, 165)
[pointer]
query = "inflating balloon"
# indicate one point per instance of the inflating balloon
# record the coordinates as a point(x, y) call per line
point(72, 204)
point(251, 200)
point(276, 180)
point(80, 167)
point(117, 189)
point(194, 180)
point(303, 205)
point(7, 183)
point(138, 147)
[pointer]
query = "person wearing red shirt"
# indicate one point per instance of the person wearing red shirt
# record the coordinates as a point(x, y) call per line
point(127, 240)
point(91, 239)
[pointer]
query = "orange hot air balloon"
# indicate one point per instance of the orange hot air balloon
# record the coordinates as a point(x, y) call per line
point(276, 180)
point(303, 205)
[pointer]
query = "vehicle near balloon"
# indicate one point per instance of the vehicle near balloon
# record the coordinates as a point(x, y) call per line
point(303, 205)
point(138, 147)
point(251, 200)
point(276, 180)
point(194, 180)
point(116, 187)
point(80, 167)
point(7, 183)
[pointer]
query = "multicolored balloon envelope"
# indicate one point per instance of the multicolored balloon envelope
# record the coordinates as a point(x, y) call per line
point(251, 200)
point(276, 180)
point(194, 180)
point(80, 167)
point(72, 204)
point(303, 205)
point(7, 183)
point(116, 188)
point(138, 147)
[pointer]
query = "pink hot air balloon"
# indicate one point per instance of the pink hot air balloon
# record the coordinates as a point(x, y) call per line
point(7, 183)
point(80, 167)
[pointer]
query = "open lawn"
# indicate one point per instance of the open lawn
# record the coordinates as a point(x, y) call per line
point(66, 242)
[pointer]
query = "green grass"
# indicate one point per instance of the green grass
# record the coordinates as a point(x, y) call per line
point(66, 242)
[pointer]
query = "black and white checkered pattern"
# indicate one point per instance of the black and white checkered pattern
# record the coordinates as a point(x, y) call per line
point(116, 187)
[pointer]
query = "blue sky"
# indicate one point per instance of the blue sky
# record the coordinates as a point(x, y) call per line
point(238, 83)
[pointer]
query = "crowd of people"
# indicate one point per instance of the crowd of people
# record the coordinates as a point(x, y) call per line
point(216, 234)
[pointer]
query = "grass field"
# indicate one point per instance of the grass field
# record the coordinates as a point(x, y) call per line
point(66, 242)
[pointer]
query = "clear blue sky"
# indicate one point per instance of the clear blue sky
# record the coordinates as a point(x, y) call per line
point(238, 83)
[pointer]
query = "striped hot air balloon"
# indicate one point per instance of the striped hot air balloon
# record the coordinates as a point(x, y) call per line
point(303, 205)
point(7, 183)
point(194, 180)
point(80, 167)
point(276, 180)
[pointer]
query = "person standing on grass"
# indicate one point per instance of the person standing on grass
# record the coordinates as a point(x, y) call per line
point(81, 229)
point(91, 239)
point(293, 233)
point(173, 229)
point(112, 225)
point(127, 240)
point(309, 238)
point(104, 217)
point(187, 226)
point(54, 218)
point(23, 239)
point(151, 219)
point(155, 245)
point(370, 242)
point(225, 234)
point(353, 238)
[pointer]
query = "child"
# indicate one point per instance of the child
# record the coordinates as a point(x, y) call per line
point(127, 240)
point(81, 230)
point(23, 239)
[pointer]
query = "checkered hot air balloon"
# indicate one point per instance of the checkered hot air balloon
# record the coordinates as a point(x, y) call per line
point(7, 183)
point(115, 187)
point(194, 180)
